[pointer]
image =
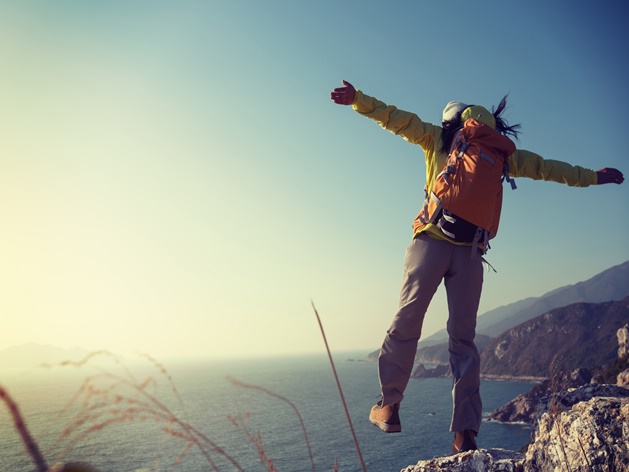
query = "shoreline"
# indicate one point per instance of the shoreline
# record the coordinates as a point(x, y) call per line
point(497, 377)
point(513, 378)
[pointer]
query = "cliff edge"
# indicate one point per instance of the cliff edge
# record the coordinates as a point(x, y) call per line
point(585, 428)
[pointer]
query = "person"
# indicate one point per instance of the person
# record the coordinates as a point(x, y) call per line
point(432, 256)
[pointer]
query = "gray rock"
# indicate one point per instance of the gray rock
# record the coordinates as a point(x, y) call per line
point(590, 435)
point(565, 400)
point(483, 460)
point(623, 341)
point(623, 378)
point(522, 409)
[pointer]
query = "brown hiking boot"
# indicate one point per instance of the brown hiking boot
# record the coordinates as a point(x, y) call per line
point(386, 417)
point(464, 441)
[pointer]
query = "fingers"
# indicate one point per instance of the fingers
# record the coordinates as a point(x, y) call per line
point(341, 100)
point(617, 176)
point(609, 176)
point(344, 95)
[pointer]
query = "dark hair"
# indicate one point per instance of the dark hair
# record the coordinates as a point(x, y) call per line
point(502, 126)
point(450, 127)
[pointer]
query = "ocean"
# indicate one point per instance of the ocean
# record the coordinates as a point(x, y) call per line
point(207, 400)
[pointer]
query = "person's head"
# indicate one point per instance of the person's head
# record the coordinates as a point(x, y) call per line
point(455, 114)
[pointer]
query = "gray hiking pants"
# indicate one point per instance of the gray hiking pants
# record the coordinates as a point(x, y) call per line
point(426, 263)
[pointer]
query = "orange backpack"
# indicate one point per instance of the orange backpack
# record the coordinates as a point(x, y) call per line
point(466, 197)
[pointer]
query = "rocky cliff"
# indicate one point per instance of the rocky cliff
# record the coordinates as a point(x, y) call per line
point(577, 429)
point(611, 284)
point(575, 336)
point(571, 337)
point(524, 407)
point(584, 429)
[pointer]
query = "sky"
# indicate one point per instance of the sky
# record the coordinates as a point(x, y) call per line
point(175, 180)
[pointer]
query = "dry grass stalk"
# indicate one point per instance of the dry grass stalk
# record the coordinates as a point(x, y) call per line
point(585, 456)
point(238, 383)
point(554, 407)
point(20, 426)
point(255, 439)
point(108, 399)
point(338, 384)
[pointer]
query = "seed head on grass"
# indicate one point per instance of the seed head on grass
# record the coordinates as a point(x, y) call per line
point(255, 439)
point(106, 399)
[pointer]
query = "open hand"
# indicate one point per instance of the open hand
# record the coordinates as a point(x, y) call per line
point(608, 175)
point(344, 95)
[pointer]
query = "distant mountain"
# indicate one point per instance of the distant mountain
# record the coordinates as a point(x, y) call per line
point(34, 355)
point(581, 335)
point(611, 284)
point(439, 354)
point(436, 354)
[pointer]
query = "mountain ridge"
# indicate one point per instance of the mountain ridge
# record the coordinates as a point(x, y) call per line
point(610, 284)
point(29, 355)
point(580, 335)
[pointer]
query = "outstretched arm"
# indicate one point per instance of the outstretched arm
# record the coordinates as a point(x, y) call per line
point(533, 166)
point(344, 95)
point(402, 123)
point(609, 175)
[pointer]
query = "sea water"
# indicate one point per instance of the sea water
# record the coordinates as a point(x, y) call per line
point(208, 400)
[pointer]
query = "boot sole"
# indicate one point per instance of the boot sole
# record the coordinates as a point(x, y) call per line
point(455, 452)
point(386, 427)
point(463, 449)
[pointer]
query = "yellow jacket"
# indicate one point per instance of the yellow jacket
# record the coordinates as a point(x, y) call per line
point(410, 127)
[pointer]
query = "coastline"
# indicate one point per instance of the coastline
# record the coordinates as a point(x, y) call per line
point(496, 377)
point(512, 378)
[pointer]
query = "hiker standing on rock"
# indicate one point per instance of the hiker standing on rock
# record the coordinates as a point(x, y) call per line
point(449, 240)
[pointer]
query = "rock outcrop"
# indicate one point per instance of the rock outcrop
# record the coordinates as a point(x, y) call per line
point(483, 460)
point(586, 429)
point(524, 407)
point(623, 341)
point(623, 378)
point(421, 372)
